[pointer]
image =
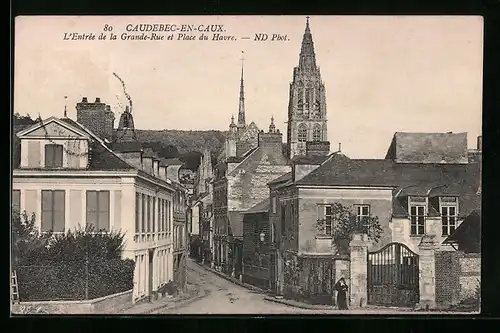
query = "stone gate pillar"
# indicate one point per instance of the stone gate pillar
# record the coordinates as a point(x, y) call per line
point(359, 270)
point(427, 272)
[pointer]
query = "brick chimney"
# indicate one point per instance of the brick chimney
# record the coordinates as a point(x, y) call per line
point(480, 143)
point(317, 148)
point(96, 116)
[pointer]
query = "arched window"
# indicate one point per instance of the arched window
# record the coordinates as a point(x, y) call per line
point(302, 135)
point(317, 133)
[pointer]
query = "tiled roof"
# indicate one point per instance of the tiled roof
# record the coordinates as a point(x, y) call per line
point(405, 178)
point(261, 207)
point(281, 179)
point(126, 147)
point(256, 155)
point(468, 231)
point(170, 161)
point(309, 159)
point(236, 223)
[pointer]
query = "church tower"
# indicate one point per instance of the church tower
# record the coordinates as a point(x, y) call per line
point(307, 105)
point(126, 128)
point(231, 139)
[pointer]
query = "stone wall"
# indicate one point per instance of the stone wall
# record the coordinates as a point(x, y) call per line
point(458, 275)
point(104, 305)
point(311, 279)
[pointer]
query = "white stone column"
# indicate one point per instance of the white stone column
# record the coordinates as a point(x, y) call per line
point(427, 272)
point(359, 270)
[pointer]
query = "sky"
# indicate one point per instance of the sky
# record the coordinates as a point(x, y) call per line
point(382, 74)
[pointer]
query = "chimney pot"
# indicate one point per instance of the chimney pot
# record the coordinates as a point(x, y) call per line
point(98, 100)
point(84, 100)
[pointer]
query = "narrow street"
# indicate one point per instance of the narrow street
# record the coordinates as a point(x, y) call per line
point(226, 297)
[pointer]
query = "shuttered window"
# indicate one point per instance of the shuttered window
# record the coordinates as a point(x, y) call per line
point(154, 213)
point(148, 212)
point(98, 210)
point(53, 156)
point(137, 212)
point(16, 200)
point(53, 210)
point(143, 214)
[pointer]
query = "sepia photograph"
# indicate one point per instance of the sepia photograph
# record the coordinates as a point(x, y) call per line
point(176, 165)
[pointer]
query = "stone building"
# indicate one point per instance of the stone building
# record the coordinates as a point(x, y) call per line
point(307, 119)
point(239, 184)
point(70, 177)
point(424, 186)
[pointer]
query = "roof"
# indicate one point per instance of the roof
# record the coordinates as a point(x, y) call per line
point(236, 223)
point(469, 231)
point(127, 147)
point(428, 148)
point(101, 157)
point(316, 159)
point(281, 179)
point(170, 161)
point(261, 207)
point(418, 179)
point(258, 154)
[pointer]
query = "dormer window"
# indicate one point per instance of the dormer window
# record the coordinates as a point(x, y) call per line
point(53, 156)
point(418, 210)
point(449, 213)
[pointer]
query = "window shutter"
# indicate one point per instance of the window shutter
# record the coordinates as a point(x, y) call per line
point(148, 211)
point(153, 214)
point(58, 156)
point(59, 210)
point(321, 212)
point(103, 204)
point(16, 200)
point(92, 209)
point(46, 222)
point(137, 211)
point(143, 213)
point(49, 156)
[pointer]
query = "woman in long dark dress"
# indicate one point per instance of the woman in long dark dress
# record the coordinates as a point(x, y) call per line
point(341, 288)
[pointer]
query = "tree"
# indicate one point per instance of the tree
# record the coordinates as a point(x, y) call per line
point(25, 238)
point(346, 223)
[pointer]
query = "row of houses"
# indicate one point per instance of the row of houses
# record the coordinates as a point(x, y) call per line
point(261, 212)
point(71, 174)
point(265, 212)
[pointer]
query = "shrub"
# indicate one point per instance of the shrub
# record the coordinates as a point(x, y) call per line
point(74, 265)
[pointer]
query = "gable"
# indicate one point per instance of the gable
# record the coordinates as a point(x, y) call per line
point(53, 129)
point(251, 133)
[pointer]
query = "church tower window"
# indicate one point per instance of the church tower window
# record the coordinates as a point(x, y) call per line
point(302, 134)
point(317, 133)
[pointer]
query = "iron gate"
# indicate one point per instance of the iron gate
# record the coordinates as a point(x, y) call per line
point(393, 276)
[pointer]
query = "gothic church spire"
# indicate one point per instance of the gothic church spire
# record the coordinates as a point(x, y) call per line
point(241, 109)
point(307, 58)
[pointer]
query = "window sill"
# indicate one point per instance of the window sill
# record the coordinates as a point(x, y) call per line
point(323, 237)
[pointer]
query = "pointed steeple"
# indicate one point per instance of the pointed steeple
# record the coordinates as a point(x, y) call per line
point(241, 109)
point(272, 127)
point(65, 107)
point(307, 58)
